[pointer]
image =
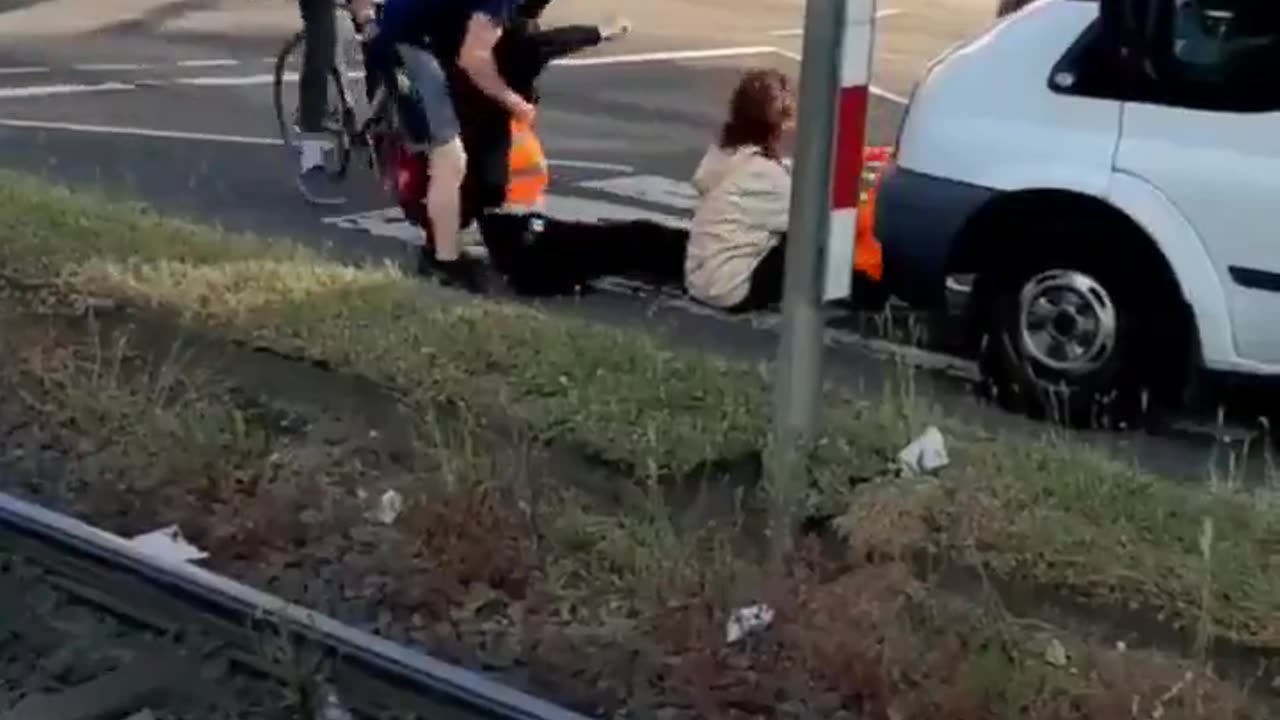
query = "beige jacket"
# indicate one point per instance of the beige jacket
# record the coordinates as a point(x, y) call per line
point(742, 211)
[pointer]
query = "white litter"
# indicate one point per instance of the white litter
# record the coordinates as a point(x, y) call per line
point(1056, 654)
point(389, 507)
point(926, 454)
point(167, 543)
point(332, 707)
point(747, 621)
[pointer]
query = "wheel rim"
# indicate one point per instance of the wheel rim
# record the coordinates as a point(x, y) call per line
point(289, 111)
point(1067, 322)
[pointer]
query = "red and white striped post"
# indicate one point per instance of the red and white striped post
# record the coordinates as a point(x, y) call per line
point(852, 100)
point(834, 75)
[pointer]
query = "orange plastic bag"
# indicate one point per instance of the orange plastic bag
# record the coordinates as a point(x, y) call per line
point(528, 174)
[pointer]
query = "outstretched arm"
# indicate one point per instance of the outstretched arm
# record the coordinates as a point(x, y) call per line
point(477, 61)
point(558, 42)
point(566, 40)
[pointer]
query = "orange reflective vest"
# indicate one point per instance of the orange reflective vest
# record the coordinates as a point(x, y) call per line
point(527, 174)
point(867, 255)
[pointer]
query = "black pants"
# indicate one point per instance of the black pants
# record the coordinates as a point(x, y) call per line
point(563, 255)
point(319, 21)
point(766, 280)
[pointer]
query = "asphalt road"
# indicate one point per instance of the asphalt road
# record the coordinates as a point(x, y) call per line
point(181, 117)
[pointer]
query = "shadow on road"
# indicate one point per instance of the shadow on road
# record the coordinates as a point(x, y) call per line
point(155, 19)
point(7, 6)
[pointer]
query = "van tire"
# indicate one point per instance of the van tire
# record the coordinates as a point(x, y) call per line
point(1072, 278)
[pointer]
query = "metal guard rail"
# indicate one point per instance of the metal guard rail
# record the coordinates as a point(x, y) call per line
point(464, 693)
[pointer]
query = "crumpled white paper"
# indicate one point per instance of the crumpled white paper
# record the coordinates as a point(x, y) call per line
point(167, 543)
point(389, 507)
point(926, 454)
point(747, 621)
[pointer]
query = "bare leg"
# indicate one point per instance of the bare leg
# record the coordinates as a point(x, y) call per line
point(443, 201)
point(448, 166)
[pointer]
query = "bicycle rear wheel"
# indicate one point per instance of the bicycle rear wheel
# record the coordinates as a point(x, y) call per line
point(337, 119)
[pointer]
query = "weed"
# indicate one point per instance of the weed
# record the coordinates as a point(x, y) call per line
point(480, 558)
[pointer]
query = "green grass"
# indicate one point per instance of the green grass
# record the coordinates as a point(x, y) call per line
point(1051, 510)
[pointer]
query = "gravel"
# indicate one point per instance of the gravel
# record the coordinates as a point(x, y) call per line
point(63, 656)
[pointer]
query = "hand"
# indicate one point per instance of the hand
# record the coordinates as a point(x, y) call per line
point(615, 28)
point(523, 110)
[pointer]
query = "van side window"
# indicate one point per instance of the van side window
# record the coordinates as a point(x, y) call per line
point(1223, 55)
point(1220, 55)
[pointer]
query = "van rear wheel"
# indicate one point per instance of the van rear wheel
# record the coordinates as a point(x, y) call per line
point(1074, 335)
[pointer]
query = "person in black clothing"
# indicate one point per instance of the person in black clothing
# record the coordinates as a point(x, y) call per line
point(538, 254)
point(319, 22)
point(523, 53)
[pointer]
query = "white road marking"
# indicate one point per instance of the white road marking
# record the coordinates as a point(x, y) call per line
point(649, 188)
point(234, 80)
point(222, 62)
point(591, 165)
point(259, 79)
point(664, 56)
point(136, 131)
point(877, 91)
point(385, 222)
point(238, 139)
point(390, 222)
point(110, 67)
point(667, 56)
point(582, 209)
point(34, 91)
point(292, 77)
point(657, 56)
point(117, 67)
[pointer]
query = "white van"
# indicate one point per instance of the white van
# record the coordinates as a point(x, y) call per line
point(1109, 171)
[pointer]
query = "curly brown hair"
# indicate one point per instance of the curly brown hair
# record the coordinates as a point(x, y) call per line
point(762, 106)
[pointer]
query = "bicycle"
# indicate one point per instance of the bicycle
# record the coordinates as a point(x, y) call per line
point(341, 122)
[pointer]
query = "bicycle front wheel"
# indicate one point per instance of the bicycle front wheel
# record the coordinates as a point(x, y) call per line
point(285, 98)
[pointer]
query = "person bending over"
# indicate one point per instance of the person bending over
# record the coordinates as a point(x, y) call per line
point(734, 260)
point(494, 161)
point(433, 39)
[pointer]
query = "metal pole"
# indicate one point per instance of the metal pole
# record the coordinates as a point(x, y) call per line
point(797, 382)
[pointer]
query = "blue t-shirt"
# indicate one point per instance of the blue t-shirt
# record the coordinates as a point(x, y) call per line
point(442, 24)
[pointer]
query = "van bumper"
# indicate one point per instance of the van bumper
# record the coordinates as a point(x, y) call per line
point(919, 221)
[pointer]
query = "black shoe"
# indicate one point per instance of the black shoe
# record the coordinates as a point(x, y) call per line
point(464, 273)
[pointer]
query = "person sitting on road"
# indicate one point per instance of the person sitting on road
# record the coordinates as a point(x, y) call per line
point(734, 259)
point(432, 39)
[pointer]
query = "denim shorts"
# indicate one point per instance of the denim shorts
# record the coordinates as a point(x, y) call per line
point(436, 122)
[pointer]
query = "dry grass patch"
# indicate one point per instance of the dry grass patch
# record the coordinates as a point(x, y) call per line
point(1051, 513)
